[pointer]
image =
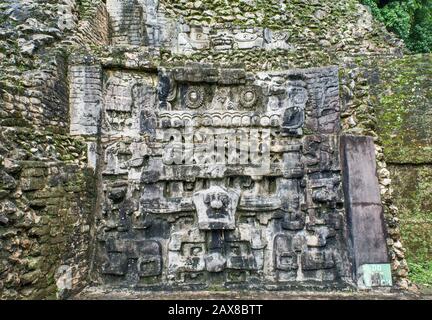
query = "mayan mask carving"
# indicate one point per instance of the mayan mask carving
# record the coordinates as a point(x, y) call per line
point(216, 208)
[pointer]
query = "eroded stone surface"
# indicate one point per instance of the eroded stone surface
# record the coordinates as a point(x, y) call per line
point(105, 293)
point(235, 176)
point(147, 210)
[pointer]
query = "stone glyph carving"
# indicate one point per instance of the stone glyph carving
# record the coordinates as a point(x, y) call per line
point(194, 39)
point(85, 96)
point(277, 40)
point(248, 39)
point(129, 101)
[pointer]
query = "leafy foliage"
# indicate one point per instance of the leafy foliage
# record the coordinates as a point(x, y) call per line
point(421, 273)
point(411, 20)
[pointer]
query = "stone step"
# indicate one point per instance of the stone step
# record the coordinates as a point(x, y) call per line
point(106, 293)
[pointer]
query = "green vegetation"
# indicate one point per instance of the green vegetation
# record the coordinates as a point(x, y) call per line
point(411, 20)
point(412, 195)
point(401, 103)
point(421, 273)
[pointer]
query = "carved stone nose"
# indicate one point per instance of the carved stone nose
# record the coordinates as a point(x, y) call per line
point(216, 204)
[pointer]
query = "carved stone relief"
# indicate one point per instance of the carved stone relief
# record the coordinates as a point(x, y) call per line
point(144, 23)
point(195, 39)
point(222, 181)
point(129, 104)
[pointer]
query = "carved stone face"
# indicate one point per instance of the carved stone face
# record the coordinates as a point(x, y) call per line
point(228, 175)
point(217, 204)
point(222, 40)
point(248, 97)
point(216, 208)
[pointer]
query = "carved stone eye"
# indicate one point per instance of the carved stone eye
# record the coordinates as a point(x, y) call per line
point(196, 251)
point(194, 97)
point(248, 97)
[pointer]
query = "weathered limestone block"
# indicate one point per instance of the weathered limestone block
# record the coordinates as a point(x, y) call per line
point(147, 253)
point(85, 99)
point(66, 10)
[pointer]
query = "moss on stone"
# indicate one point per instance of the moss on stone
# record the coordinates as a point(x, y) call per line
point(413, 196)
point(403, 109)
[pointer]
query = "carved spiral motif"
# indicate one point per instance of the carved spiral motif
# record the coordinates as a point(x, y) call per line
point(194, 97)
point(248, 97)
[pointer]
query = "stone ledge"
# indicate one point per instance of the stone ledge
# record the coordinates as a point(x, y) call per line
point(105, 293)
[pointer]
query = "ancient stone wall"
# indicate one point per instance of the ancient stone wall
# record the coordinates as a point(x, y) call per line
point(46, 192)
point(136, 104)
point(44, 212)
point(93, 25)
point(102, 82)
point(278, 185)
point(402, 95)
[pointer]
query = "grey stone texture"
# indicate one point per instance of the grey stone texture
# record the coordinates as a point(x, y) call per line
point(100, 182)
point(273, 215)
point(86, 95)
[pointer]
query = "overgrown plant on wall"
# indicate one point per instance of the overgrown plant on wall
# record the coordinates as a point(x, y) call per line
point(411, 20)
